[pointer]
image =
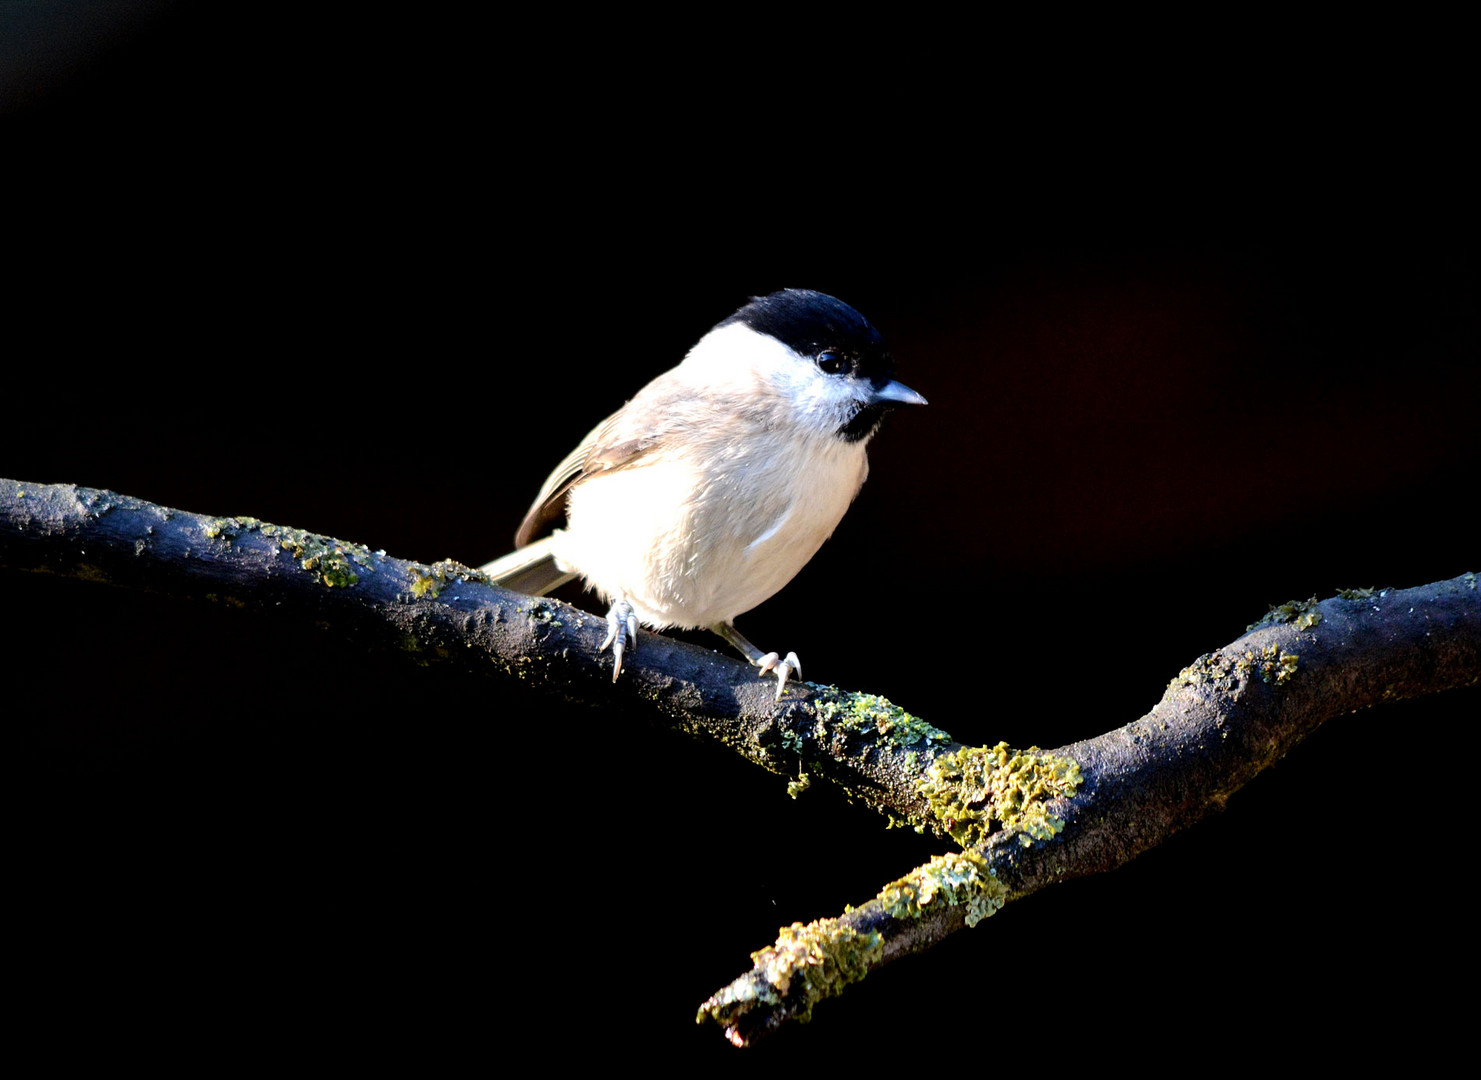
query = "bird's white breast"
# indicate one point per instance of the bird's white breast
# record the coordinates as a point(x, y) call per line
point(693, 545)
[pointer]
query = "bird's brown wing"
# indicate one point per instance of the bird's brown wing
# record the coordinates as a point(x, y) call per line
point(612, 444)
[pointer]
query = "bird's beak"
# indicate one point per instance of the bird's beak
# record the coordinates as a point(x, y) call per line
point(894, 393)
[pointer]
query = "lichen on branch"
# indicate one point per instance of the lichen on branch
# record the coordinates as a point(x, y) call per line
point(1029, 818)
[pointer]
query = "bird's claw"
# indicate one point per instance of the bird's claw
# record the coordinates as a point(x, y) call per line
point(622, 628)
point(785, 669)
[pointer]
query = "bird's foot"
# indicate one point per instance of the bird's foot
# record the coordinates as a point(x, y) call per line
point(622, 631)
point(784, 669)
point(767, 662)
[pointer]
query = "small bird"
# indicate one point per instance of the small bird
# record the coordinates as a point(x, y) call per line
point(708, 491)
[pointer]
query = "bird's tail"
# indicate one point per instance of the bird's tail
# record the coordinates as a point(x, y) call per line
point(531, 570)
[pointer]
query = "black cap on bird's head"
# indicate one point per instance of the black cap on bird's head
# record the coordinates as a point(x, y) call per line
point(809, 323)
point(840, 341)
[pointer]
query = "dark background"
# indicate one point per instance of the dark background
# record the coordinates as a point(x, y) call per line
point(1198, 338)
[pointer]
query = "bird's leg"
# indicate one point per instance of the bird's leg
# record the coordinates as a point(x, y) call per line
point(784, 668)
point(622, 628)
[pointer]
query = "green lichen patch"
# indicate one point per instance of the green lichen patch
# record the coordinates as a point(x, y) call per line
point(329, 557)
point(1300, 612)
point(229, 528)
point(975, 791)
point(798, 786)
point(955, 879)
point(807, 963)
point(1357, 594)
point(334, 561)
point(1272, 663)
point(332, 566)
point(1210, 669)
point(874, 716)
point(427, 582)
point(1225, 671)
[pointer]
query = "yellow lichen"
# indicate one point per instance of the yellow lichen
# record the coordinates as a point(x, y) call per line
point(1272, 664)
point(798, 786)
point(1298, 611)
point(956, 878)
point(327, 558)
point(975, 791)
point(820, 958)
point(809, 962)
point(870, 714)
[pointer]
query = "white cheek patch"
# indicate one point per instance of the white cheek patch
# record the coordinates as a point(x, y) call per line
point(736, 353)
point(738, 359)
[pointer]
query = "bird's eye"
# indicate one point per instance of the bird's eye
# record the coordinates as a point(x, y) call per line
point(832, 362)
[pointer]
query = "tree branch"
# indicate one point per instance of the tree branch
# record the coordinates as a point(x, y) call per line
point(1223, 719)
point(1026, 819)
point(446, 614)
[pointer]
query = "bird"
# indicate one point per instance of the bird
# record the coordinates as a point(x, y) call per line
point(708, 491)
